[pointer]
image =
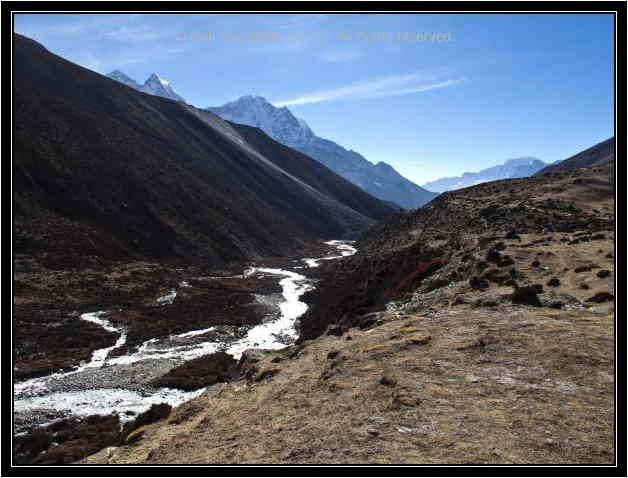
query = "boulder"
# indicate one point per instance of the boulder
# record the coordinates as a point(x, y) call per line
point(553, 282)
point(200, 372)
point(601, 297)
point(527, 295)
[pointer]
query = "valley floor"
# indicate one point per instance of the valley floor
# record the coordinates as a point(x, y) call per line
point(455, 376)
point(456, 386)
point(95, 347)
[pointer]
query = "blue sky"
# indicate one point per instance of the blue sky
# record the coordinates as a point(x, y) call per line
point(432, 95)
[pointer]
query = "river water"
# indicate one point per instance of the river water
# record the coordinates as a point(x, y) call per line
point(120, 385)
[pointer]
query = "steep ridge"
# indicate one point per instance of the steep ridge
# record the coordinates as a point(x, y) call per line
point(513, 168)
point(380, 180)
point(101, 170)
point(600, 154)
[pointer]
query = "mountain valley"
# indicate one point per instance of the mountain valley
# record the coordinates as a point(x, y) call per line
point(221, 286)
point(439, 341)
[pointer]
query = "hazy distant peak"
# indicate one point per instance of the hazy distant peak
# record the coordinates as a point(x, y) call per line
point(529, 160)
point(252, 99)
point(124, 78)
point(512, 168)
point(155, 77)
point(154, 85)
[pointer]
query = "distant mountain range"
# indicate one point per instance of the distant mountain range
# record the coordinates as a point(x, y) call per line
point(380, 180)
point(154, 85)
point(513, 168)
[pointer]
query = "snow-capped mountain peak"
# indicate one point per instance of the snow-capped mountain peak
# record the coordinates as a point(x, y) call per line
point(154, 85)
point(278, 123)
point(124, 79)
point(380, 180)
point(155, 79)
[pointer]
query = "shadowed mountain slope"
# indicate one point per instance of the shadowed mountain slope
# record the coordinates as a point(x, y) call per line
point(318, 175)
point(100, 169)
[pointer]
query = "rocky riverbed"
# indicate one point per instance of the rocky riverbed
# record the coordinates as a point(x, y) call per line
point(122, 378)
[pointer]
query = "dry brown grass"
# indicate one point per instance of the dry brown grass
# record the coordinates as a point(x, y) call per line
point(450, 383)
point(558, 259)
point(511, 384)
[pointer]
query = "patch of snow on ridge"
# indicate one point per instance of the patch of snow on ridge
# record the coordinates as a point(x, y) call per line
point(167, 299)
point(95, 318)
point(196, 332)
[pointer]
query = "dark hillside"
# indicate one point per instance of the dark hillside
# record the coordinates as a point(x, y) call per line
point(318, 174)
point(100, 169)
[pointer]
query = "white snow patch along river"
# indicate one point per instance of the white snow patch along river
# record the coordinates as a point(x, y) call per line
point(100, 356)
point(106, 401)
point(274, 334)
point(268, 335)
point(37, 386)
point(344, 247)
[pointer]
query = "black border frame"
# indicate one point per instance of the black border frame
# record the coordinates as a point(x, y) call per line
point(392, 7)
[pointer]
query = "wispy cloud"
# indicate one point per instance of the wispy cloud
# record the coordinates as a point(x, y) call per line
point(420, 89)
point(393, 85)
